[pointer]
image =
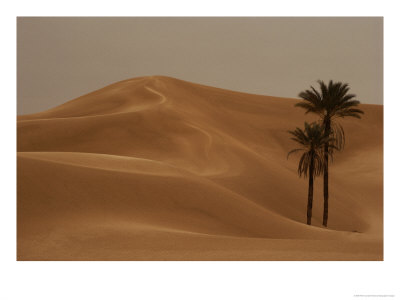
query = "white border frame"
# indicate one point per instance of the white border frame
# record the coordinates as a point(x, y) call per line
point(196, 280)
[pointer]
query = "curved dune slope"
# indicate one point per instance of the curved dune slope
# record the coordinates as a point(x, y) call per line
point(155, 168)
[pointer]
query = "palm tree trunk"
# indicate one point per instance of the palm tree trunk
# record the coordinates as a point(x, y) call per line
point(326, 173)
point(310, 190)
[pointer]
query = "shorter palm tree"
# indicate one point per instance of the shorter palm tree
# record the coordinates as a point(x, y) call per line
point(312, 140)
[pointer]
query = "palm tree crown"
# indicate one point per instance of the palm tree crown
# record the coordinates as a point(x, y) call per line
point(312, 140)
point(332, 101)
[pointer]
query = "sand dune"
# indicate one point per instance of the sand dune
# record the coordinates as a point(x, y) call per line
point(156, 168)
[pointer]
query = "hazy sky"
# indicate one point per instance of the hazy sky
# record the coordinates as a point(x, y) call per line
point(60, 59)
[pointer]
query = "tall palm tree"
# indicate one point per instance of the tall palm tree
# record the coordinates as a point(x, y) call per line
point(331, 102)
point(312, 140)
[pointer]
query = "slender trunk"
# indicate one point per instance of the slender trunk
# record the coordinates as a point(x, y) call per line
point(326, 177)
point(310, 190)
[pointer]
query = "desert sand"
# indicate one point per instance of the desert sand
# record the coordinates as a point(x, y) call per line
point(156, 168)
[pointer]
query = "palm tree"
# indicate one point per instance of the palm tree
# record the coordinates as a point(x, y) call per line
point(333, 101)
point(312, 141)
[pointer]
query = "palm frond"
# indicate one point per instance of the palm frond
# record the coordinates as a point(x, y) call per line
point(294, 151)
point(304, 164)
point(350, 112)
point(338, 137)
point(319, 163)
point(324, 88)
point(308, 107)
